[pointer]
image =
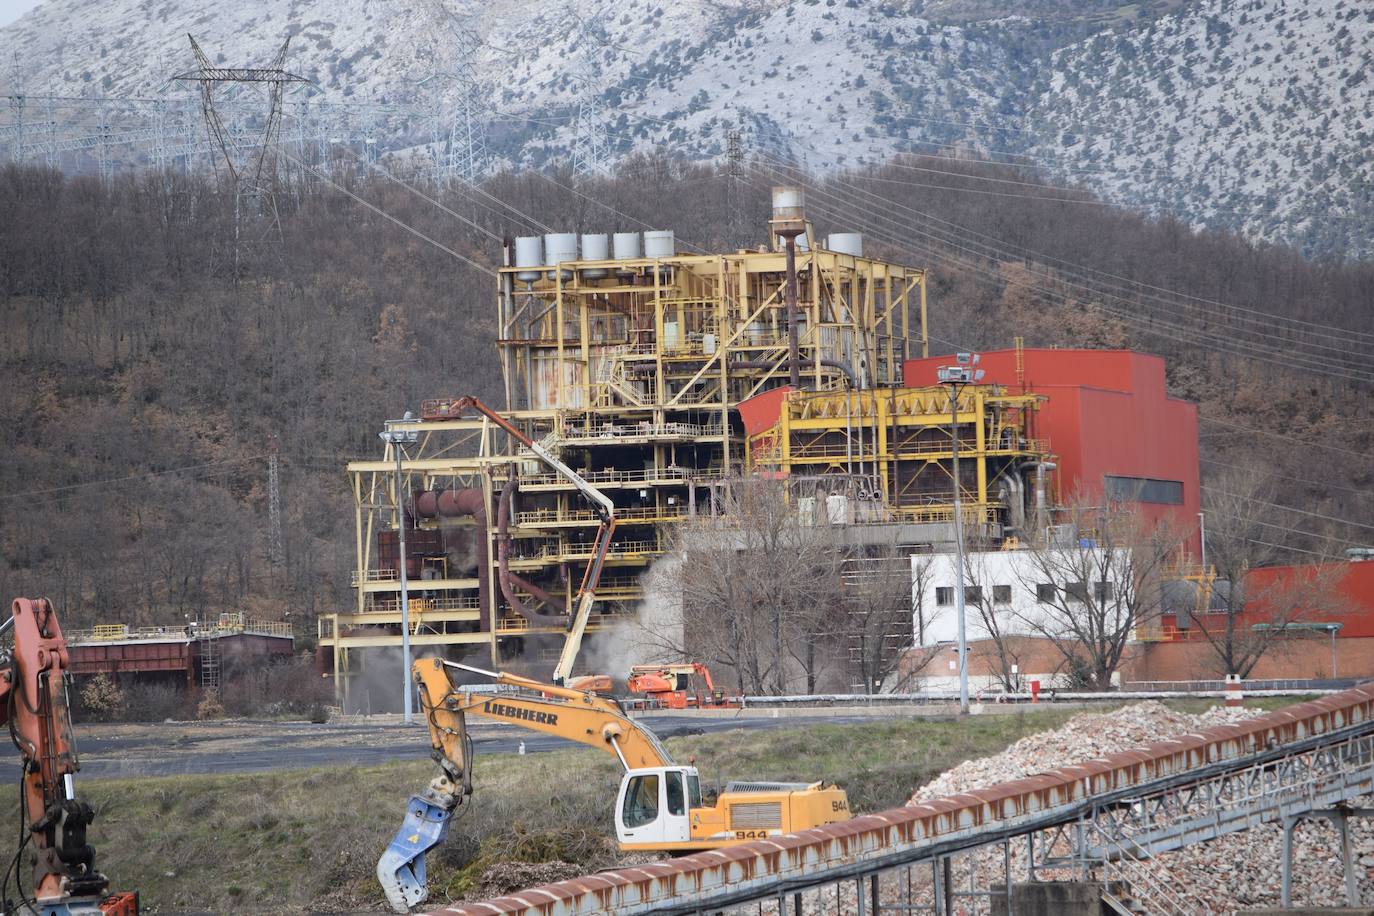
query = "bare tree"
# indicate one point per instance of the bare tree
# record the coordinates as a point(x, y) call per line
point(994, 624)
point(758, 588)
point(1097, 586)
point(1242, 612)
point(875, 619)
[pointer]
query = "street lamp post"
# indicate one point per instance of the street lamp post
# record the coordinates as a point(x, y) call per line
point(956, 377)
point(397, 437)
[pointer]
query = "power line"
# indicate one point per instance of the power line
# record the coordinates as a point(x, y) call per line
point(1250, 349)
point(1309, 513)
point(1307, 480)
point(132, 477)
point(1273, 435)
point(382, 213)
point(1334, 332)
point(1277, 527)
point(1256, 350)
point(606, 206)
point(1310, 553)
point(1319, 330)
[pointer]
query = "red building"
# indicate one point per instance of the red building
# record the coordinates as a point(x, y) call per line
point(1108, 420)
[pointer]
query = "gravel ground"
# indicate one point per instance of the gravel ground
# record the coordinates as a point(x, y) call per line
point(1239, 871)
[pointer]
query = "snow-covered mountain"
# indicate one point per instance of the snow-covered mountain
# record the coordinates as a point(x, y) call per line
point(1253, 114)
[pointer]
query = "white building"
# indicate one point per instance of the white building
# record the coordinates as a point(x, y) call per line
point(1019, 592)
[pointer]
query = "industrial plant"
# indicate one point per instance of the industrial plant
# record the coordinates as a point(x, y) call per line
point(659, 376)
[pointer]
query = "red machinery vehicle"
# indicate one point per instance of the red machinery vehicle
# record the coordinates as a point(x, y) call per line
point(680, 686)
point(33, 702)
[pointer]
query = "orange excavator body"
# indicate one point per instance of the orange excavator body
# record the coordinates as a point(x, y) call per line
point(680, 686)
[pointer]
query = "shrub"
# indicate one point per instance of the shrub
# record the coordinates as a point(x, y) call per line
point(291, 688)
point(102, 699)
point(210, 707)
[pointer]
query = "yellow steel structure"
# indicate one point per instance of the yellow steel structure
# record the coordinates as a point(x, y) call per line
point(896, 444)
point(631, 370)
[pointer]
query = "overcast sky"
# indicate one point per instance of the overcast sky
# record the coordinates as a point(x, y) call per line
point(11, 10)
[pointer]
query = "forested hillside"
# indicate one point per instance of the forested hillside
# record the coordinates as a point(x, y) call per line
point(146, 376)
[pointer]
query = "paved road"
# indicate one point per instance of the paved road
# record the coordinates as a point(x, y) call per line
point(195, 748)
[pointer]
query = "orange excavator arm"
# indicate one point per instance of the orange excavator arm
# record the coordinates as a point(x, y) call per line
point(33, 704)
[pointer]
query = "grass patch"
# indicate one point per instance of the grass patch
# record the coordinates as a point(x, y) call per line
point(308, 840)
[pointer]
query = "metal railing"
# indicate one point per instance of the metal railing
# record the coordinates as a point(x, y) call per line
point(520, 624)
point(650, 475)
point(1204, 686)
point(224, 625)
point(644, 513)
point(612, 431)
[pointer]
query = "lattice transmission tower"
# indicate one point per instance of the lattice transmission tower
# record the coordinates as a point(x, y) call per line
point(734, 176)
point(458, 101)
point(275, 548)
point(590, 145)
point(252, 165)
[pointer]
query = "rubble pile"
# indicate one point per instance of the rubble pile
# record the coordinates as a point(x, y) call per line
point(1082, 738)
point(1238, 871)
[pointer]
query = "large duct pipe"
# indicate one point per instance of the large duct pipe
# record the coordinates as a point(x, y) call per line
point(1012, 490)
point(505, 577)
point(456, 504)
point(1041, 499)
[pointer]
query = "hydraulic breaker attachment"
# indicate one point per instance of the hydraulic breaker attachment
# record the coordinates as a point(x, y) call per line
point(401, 870)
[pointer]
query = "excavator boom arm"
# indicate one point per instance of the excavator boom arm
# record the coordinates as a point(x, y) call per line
point(574, 715)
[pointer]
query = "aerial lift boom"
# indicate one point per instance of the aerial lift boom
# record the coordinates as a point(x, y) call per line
point(33, 703)
point(658, 807)
point(601, 505)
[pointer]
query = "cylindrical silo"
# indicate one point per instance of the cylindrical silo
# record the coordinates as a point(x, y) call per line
point(625, 245)
point(595, 247)
point(787, 203)
point(560, 247)
point(846, 243)
point(529, 252)
point(659, 243)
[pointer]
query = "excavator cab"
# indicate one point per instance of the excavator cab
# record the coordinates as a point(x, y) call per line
point(655, 806)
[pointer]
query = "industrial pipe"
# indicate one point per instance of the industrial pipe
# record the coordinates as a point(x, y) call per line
point(793, 347)
point(456, 504)
point(504, 576)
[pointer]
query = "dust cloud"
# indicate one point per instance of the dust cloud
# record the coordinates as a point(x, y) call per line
point(377, 681)
point(654, 635)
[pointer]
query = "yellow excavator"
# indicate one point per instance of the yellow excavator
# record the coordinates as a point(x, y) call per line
point(659, 807)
